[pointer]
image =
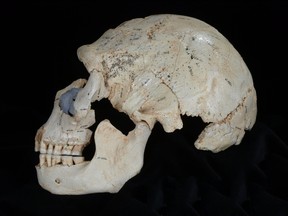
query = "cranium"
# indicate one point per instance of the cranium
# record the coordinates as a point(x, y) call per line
point(154, 69)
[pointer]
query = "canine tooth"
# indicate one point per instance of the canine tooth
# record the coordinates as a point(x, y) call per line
point(56, 159)
point(42, 159)
point(67, 150)
point(78, 160)
point(48, 159)
point(77, 150)
point(43, 147)
point(57, 149)
point(67, 160)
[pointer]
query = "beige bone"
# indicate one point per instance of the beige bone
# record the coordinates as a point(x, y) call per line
point(154, 69)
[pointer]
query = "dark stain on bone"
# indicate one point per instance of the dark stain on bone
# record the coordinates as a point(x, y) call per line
point(135, 36)
point(102, 158)
point(161, 99)
point(121, 62)
point(190, 70)
point(153, 29)
point(191, 54)
point(228, 81)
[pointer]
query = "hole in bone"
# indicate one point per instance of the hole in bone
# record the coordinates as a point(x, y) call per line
point(89, 151)
point(57, 181)
point(192, 127)
point(105, 110)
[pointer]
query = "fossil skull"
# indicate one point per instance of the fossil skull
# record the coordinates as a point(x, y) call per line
point(154, 69)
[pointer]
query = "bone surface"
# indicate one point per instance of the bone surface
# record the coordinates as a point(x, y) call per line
point(154, 69)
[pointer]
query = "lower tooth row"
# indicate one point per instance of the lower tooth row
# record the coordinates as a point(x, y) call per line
point(51, 160)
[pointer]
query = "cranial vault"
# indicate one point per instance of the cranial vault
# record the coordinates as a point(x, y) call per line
point(154, 69)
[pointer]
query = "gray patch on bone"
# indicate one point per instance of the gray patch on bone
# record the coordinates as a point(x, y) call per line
point(67, 101)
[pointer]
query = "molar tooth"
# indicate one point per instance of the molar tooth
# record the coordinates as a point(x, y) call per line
point(78, 160)
point(67, 150)
point(67, 160)
point(56, 159)
point(77, 150)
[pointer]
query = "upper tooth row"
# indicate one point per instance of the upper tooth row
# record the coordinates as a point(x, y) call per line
point(61, 149)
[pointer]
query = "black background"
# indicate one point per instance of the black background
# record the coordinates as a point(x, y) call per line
point(39, 43)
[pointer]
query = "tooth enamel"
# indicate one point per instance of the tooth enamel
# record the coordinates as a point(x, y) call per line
point(57, 150)
point(78, 160)
point(56, 159)
point(67, 150)
point(77, 150)
point(98, 174)
point(42, 159)
point(43, 147)
point(48, 160)
point(166, 66)
point(67, 160)
point(50, 149)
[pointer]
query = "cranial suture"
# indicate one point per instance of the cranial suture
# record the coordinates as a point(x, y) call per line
point(154, 69)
